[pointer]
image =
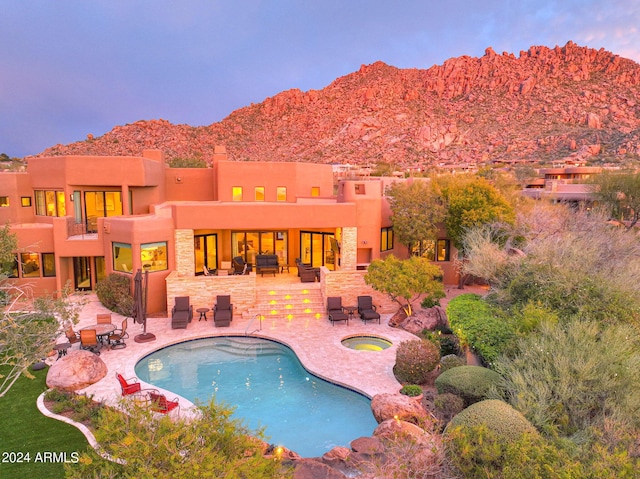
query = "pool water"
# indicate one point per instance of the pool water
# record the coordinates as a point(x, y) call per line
point(268, 386)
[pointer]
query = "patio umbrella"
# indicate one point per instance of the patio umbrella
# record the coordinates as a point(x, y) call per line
point(139, 313)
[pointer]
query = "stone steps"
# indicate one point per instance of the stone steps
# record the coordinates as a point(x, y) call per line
point(289, 303)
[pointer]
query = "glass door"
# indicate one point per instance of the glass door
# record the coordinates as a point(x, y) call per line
point(206, 252)
point(100, 204)
point(250, 243)
point(82, 273)
point(316, 249)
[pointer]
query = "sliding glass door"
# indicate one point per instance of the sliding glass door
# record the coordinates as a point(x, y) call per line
point(316, 249)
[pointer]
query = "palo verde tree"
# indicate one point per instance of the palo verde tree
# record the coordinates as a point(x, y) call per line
point(416, 211)
point(27, 332)
point(406, 279)
point(619, 193)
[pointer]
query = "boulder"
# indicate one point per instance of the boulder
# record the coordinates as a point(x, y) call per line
point(397, 406)
point(369, 446)
point(313, 469)
point(393, 429)
point(425, 319)
point(77, 370)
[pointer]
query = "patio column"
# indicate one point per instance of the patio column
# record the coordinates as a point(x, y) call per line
point(185, 253)
point(349, 247)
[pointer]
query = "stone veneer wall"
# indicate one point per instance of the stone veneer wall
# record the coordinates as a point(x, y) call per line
point(349, 248)
point(203, 290)
point(184, 253)
point(349, 285)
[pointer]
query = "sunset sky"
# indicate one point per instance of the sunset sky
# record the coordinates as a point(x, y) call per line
point(74, 67)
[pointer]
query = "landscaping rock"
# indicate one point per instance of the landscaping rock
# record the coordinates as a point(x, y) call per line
point(77, 370)
point(425, 319)
point(397, 406)
point(395, 429)
point(313, 469)
point(369, 446)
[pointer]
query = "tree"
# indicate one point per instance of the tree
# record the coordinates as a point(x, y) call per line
point(27, 332)
point(192, 162)
point(208, 443)
point(416, 211)
point(406, 279)
point(619, 193)
point(471, 201)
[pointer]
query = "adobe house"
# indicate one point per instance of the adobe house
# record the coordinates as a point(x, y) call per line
point(80, 218)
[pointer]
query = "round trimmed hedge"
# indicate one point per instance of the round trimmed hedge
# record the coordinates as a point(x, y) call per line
point(471, 383)
point(498, 417)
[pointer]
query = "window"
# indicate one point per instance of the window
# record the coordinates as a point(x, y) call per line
point(10, 268)
point(48, 265)
point(359, 188)
point(386, 238)
point(153, 256)
point(122, 257)
point(205, 248)
point(259, 195)
point(315, 191)
point(50, 203)
point(236, 193)
point(281, 193)
point(30, 265)
point(4, 201)
point(432, 250)
point(25, 201)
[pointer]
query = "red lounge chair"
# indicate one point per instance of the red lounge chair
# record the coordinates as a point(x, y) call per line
point(129, 386)
point(160, 403)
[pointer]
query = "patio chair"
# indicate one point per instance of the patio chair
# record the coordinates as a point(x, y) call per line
point(367, 310)
point(128, 386)
point(239, 266)
point(181, 313)
point(89, 340)
point(72, 336)
point(335, 311)
point(118, 336)
point(103, 318)
point(160, 403)
point(307, 273)
point(223, 311)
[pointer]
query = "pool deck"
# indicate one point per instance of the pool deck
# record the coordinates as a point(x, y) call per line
point(316, 342)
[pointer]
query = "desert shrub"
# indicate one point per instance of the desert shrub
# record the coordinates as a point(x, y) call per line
point(478, 452)
point(576, 377)
point(480, 326)
point(114, 292)
point(180, 162)
point(411, 390)
point(432, 300)
point(471, 383)
point(447, 406)
point(449, 344)
point(450, 361)
point(415, 360)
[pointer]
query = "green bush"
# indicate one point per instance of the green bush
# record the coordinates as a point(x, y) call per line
point(499, 418)
point(450, 361)
point(415, 360)
point(411, 390)
point(114, 292)
point(432, 300)
point(471, 383)
point(481, 326)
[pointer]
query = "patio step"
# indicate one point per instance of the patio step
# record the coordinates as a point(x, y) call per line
point(289, 303)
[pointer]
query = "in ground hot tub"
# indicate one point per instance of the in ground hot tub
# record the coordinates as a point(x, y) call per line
point(366, 343)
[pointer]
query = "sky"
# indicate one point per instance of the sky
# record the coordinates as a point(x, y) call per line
point(69, 68)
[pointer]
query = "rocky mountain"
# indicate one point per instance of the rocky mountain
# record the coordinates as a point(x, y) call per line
point(568, 103)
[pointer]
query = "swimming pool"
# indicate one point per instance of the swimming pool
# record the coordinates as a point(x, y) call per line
point(268, 386)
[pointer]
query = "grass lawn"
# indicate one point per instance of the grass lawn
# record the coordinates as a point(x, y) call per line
point(23, 429)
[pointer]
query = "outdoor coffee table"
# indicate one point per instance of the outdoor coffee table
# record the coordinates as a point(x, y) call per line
point(203, 313)
point(62, 349)
point(351, 311)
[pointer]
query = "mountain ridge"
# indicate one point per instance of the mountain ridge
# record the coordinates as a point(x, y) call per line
point(570, 103)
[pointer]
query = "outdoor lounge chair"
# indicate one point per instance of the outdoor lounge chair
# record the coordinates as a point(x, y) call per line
point(239, 266)
point(335, 311)
point(89, 340)
point(367, 310)
point(118, 336)
point(181, 313)
point(129, 386)
point(160, 403)
point(223, 311)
